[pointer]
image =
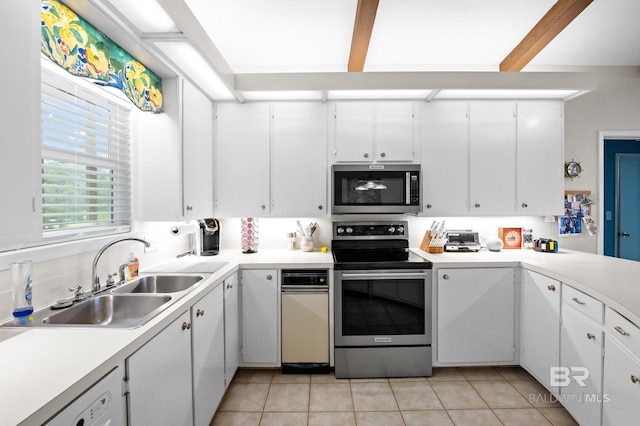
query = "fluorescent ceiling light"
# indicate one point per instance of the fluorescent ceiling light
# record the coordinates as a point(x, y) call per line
point(505, 94)
point(147, 16)
point(298, 95)
point(378, 94)
point(186, 57)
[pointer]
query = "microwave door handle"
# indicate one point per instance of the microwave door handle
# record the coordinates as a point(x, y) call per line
point(407, 188)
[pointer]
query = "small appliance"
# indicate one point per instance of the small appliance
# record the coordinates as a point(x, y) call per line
point(462, 240)
point(209, 236)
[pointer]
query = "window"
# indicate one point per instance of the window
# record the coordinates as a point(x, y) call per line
point(86, 158)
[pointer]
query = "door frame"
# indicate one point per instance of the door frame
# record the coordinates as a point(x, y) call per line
point(603, 135)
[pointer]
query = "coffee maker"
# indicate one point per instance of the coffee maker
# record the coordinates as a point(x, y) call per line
point(209, 236)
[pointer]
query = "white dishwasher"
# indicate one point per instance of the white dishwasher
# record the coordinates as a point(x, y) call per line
point(103, 404)
point(305, 321)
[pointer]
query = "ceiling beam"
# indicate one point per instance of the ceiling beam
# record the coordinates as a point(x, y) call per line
point(552, 23)
point(362, 29)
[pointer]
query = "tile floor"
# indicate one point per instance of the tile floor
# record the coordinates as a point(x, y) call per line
point(452, 396)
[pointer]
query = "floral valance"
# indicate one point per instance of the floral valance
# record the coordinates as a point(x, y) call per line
point(78, 47)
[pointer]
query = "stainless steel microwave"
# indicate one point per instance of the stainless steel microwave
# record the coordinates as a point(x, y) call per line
point(375, 188)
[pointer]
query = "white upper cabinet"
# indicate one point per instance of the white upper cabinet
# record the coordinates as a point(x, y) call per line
point(395, 131)
point(159, 151)
point(242, 159)
point(271, 159)
point(492, 142)
point(20, 123)
point(445, 158)
point(492, 158)
point(175, 151)
point(373, 132)
point(197, 153)
point(353, 131)
point(299, 159)
point(539, 158)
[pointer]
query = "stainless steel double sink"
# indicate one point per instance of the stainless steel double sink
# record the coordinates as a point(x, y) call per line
point(128, 305)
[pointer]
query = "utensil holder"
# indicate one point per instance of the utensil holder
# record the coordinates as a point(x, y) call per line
point(425, 244)
point(306, 243)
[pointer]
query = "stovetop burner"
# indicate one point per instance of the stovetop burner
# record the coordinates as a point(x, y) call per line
point(374, 245)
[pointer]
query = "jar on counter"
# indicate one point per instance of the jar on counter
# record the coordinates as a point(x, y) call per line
point(291, 241)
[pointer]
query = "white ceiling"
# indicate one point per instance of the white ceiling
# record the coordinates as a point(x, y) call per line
point(303, 45)
point(257, 36)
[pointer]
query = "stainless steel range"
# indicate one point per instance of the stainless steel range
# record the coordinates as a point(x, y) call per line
point(382, 302)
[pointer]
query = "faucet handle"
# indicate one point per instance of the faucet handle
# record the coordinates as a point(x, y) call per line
point(110, 280)
point(79, 294)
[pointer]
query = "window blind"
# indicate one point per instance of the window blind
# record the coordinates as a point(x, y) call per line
point(86, 158)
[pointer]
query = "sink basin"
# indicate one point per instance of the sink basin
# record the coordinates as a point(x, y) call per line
point(160, 284)
point(113, 310)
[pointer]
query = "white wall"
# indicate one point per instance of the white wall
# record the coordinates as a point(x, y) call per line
point(614, 106)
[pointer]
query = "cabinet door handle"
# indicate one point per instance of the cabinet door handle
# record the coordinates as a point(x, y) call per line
point(366, 155)
point(189, 208)
point(590, 336)
point(200, 312)
point(620, 330)
point(229, 286)
point(476, 205)
point(269, 277)
point(445, 277)
point(578, 301)
point(382, 154)
point(262, 207)
point(634, 378)
point(186, 325)
point(525, 205)
point(320, 207)
point(429, 206)
point(551, 287)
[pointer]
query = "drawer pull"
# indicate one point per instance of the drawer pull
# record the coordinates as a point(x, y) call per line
point(551, 287)
point(634, 378)
point(200, 312)
point(590, 336)
point(269, 277)
point(620, 330)
point(186, 325)
point(445, 277)
point(578, 301)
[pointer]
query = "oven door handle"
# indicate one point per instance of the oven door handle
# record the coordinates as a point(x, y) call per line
point(386, 275)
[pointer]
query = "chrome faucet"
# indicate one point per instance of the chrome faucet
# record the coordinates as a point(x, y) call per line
point(95, 280)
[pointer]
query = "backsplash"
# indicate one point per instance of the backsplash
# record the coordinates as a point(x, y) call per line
point(52, 278)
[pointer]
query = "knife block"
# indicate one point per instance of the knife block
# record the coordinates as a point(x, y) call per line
point(426, 240)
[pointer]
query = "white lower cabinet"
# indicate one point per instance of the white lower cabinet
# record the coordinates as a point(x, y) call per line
point(177, 378)
point(476, 308)
point(231, 328)
point(260, 336)
point(207, 319)
point(621, 386)
point(159, 376)
point(540, 326)
point(580, 377)
point(621, 383)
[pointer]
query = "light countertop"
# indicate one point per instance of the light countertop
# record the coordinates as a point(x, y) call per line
point(44, 369)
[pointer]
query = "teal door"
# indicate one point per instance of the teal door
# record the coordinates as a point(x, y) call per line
point(628, 206)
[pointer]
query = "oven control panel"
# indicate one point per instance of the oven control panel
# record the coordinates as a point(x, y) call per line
point(355, 230)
